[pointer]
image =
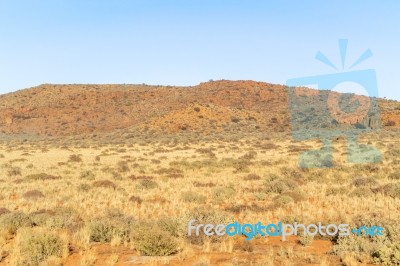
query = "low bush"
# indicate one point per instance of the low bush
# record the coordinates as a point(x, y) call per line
point(122, 167)
point(175, 226)
point(391, 190)
point(332, 191)
point(209, 184)
point(14, 171)
point(139, 177)
point(136, 199)
point(390, 123)
point(394, 176)
point(84, 187)
point(362, 192)
point(364, 181)
point(104, 229)
point(63, 218)
point(170, 172)
point(42, 176)
point(76, 158)
point(104, 184)
point(11, 222)
point(297, 195)
point(89, 175)
point(35, 247)
point(222, 193)
point(306, 239)
point(381, 250)
point(252, 177)
point(152, 240)
point(146, 184)
point(281, 200)
point(279, 186)
point(193, 197)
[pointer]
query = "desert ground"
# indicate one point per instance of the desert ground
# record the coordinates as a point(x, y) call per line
point(112, 196)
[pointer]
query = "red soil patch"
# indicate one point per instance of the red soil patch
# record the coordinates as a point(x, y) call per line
point(128, 256)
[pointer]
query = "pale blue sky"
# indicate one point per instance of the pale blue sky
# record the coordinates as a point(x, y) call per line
point(187, 42)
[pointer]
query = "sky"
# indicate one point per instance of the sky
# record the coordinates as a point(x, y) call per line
point(171, 42)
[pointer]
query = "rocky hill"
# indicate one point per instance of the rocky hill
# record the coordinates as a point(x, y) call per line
point(217, 106)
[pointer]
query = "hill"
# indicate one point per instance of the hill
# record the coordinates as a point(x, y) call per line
point(217, 106)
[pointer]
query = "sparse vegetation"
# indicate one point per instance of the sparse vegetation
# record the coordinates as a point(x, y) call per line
point(34, 247)
point(104, 184)
point(150, 240)
point(11, 222)
point(42, 176)
point(191, 196)
point(138, 199)
point(104, 229)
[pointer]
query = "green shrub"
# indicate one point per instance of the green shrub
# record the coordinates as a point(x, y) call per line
point(150, 240)
point(136, 199)
point(175, 226)
point(355, 244)
point(331, 191)
point(282, 200)
point(36, 246)
point(391, 190)
point(394, 176)
point(387, 255)
point(297, 195)
point(362, 192)
point(306, 239)
point(147, 184)
point(76, 158)
point(193, 197)
point(84, 187)
point(42, 176)
point(89, 175)
point(11, 222)
point(252, 177)
point(122, 167)
point(170, 172)
point(61, 219)
point(235, 119)
point(279, 185)
point(14, 171)
point(39, 218)
point(104, 229)
point(382, 250)
point(364, 181)
point(222, 193)
point(104, 184)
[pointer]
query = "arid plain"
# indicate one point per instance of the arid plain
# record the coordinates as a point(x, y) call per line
point(111, 175)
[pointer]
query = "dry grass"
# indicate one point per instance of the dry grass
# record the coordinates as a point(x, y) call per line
point(83, 197)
